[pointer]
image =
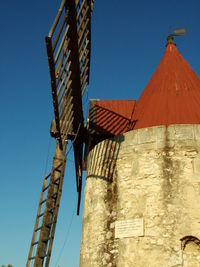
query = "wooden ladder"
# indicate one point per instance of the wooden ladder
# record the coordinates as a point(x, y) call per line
point(47, 213)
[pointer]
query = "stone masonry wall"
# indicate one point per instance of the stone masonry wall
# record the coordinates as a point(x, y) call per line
point(151, 175)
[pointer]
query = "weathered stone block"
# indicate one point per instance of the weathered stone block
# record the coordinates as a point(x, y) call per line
point(184, 132)
point(146, 135)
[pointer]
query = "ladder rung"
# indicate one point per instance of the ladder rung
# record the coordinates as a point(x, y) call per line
point(43, 201)
point(49, 185)
point(32, 258)
point(56, 180)
point(51, 210)
point(57, 168)
point(56, 183)
point(54, 195)
point(47, 176)
point(39, 228)
point(46, 240)
point(43, 256)
point(49, 225)
point(35, 243)
point(41, 214)
point(45, 188)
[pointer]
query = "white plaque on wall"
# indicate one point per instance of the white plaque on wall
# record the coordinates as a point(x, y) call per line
point(129, 228)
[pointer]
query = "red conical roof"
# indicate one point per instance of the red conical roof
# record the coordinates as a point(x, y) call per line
point(172, 96)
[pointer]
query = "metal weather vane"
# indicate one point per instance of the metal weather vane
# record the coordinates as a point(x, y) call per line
point(68, 49)
point(176, 32)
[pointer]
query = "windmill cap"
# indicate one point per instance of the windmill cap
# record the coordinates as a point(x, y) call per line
point(172, 96)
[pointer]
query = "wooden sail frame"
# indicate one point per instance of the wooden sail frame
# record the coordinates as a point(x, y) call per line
point(68, 49)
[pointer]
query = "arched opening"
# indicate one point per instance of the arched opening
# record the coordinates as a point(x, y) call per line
point(191, 251)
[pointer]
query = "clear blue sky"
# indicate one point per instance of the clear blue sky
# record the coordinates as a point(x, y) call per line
point(128, 41)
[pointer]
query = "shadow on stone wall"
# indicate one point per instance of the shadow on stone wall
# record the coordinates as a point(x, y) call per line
point(102, 159)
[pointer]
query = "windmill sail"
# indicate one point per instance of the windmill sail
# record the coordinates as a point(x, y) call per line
point(68, 49)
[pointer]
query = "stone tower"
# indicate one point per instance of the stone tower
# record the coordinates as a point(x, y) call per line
point(142, 192)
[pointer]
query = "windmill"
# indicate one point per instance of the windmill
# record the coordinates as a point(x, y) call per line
point(68, 48)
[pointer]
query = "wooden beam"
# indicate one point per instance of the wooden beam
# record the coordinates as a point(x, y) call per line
point(53, 88)
point(64, 39)
point(55, 23)
point(64, 82)
point(80, 10)
point(60, 31)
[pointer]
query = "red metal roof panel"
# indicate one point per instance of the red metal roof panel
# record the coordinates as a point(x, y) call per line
point(112, 117)
point(172, 96)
